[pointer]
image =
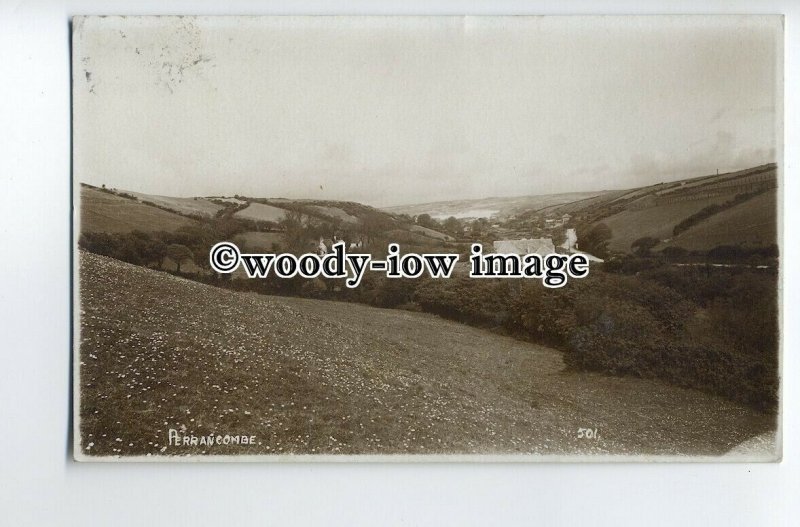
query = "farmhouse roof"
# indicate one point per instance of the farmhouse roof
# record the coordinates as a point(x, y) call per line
point(540, 246)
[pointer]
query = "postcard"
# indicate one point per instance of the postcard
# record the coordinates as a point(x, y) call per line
point(427, 238)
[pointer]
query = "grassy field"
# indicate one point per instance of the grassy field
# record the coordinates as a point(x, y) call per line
point(105, 212)
point(307, 377)
point(261, 212)
point(332, 212)
point(430, 233)
point(254, 241)
point(200, 206)
point(656, 222)
point(750, 224)
point(235, 201)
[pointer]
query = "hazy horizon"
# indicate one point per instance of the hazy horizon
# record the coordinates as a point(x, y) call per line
point(398, 205)
point(401, 111)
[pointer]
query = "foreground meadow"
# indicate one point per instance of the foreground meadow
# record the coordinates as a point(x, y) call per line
point(160, 353)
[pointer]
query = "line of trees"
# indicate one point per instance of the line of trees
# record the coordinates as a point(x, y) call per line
point(709, 211)
point(139, 248)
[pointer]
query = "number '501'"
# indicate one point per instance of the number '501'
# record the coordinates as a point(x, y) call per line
point(588, 433)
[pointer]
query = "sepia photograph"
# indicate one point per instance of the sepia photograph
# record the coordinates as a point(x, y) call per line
point(427, 238)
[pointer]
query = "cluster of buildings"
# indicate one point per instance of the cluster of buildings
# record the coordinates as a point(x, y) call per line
point(542, 246)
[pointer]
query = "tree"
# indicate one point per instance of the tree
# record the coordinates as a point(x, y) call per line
point(642, 246)
point(595, 240)
point(374, 224)
point(452, 226)
point(295, 232)
point(149, 249)
point(479, 228)
point(99, 243)
point(179, 253)
point(674, 252)
point(155, 252)
point(425, 220)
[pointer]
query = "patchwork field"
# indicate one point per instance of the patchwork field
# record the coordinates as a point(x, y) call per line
point(581, 204)
point(235, 201)
point(200, 206)
point(749, 224)
point(159, 352)
point(332, 212)
point(258, 241)
point(104, 212)
point(261, 212)
point(430, 233)
point(656, 222)
point(409, 238)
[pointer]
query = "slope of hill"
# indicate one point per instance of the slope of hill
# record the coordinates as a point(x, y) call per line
point(253, 241)
point(655, 210)
point(657, 221)
point(425, 231)
point(136, 208)
point(188, 206)
point(582, 204)
point(106, 212)
point(159, 352)
point(261, 212)
point(651, 211)
point(332, 212)
point(749, 224)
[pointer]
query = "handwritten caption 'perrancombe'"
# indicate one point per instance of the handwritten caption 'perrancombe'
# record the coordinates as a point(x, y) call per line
point(554, 270)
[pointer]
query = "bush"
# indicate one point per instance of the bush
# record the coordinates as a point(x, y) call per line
point(136, 247)
point(630, 264)
point(674, 252)
point(653, 325)
point(709, 211)
point(477, 302)
point(643, 245)
point(595, 240)
point(393, 292)
point(314, 288)
point(179, 253)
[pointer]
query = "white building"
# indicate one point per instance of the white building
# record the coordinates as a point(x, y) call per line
point(540, 246)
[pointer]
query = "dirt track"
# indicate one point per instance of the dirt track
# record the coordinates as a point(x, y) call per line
point(305, 376)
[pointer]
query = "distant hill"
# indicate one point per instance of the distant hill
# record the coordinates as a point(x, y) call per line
point(123, 211)
point(737, 208)
point(498, 208)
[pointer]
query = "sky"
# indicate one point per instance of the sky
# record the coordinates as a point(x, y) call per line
point(391, 111)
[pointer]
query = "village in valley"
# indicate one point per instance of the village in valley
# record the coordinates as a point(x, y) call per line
point(679, 219)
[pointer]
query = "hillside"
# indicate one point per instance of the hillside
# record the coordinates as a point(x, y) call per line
point(657, 221)
point(261, 212)
point(746, 201)
point(305, 376)
point(655, 210)
point(750, 224)
point(138, 210)
point(187, 206)
point(258, 220)
point(103, 211)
